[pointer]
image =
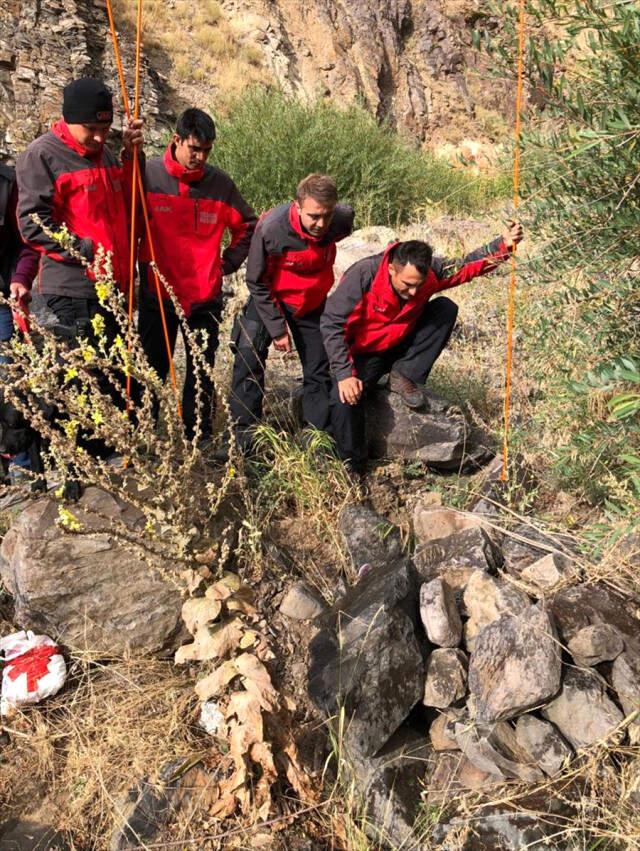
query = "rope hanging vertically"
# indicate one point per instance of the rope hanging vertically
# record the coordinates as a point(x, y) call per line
point(516, 203)
point(140, 188)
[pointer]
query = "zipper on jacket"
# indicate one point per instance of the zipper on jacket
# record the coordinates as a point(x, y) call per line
point(195, 213)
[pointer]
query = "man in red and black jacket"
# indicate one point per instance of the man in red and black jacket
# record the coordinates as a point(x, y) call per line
point(191, 204)
point(380, 320)
point(289, 275)
point(69, 177)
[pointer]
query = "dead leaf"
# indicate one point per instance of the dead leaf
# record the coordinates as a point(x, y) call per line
point(198, 611)
point(246, 708)
point(223, 588)
point(242, 601)
point(248, 639)
point(192, 580)
point(257, 680)
point(212, 685)
point(212, 643)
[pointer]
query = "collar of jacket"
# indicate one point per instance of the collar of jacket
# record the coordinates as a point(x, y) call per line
point(184, 175)
point(296, 224)
point(61, 130)
point(385, 296)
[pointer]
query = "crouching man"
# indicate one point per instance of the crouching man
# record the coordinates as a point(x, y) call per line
point(381, 319)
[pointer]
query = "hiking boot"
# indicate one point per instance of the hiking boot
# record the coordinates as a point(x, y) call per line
point(410, 393)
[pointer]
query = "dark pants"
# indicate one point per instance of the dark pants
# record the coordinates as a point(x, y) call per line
point(74, 316)
point(413, 358)
point(204, 317)
point(250, 343)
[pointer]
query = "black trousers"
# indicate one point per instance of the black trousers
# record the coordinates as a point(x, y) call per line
point(74, 316)
point(204, 317)
point(250, 343)
point(413, 358)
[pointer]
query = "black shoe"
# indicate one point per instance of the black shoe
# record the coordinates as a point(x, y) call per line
point(410, 393)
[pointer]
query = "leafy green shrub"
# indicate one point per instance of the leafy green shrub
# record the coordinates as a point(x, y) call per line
point(581, 190)
point(269, 141)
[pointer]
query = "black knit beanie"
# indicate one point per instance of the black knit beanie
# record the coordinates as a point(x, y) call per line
point(87, 101)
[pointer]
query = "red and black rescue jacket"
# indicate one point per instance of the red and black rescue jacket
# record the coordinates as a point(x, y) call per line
point(189, 211)
point(365, 314)
point(64, 183)
point(286, 265)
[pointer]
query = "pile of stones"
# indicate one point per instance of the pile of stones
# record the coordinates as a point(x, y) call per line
point(483, 659)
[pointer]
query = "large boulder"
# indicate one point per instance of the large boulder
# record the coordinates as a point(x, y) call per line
point(581, 606)
point(89, 590)
point(515, 665)
point(369, 538)
point(439, 614)
point(494, 748)
point(431, 522)
point(486, 598)
point(438, 434)
point(455, 558)
point(543, 743)
point(625, 678)
point(367, 658)
point(446, 679)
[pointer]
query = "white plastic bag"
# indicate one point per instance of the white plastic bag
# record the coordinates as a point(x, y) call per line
point(34, 669)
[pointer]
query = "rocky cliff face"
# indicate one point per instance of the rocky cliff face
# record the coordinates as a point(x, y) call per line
point(408, 61)
point(43, 45)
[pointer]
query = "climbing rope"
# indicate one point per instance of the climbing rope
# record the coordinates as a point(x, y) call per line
point(513, 278)
point(137, 190)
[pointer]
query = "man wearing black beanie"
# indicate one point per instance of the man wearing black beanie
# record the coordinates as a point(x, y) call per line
point(68, 176)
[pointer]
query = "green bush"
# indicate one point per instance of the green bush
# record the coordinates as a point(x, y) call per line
point(269, 141)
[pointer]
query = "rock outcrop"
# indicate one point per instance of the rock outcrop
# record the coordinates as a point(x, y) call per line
point(90, 590)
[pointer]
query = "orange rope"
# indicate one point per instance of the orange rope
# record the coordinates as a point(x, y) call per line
point(138, 178)
point(516, 203)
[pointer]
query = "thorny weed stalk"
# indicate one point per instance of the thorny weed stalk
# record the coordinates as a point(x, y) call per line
point(164, 474)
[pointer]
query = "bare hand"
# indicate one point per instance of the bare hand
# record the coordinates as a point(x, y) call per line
point(350, 390)
point(19, 292)
point(283, 344)
point(132, 135)
point(513, 233)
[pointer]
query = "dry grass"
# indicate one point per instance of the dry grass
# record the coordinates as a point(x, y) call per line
point(197, 46)
point(112, 726)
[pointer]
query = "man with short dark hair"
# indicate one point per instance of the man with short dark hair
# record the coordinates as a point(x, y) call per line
point(289, 275)
point(380, 320)
point(191, 205)
point(69, 177)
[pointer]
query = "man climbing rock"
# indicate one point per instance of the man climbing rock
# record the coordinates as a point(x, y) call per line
point(289, 275)
point(381, 319)
point(69, 177)
point(191, 205)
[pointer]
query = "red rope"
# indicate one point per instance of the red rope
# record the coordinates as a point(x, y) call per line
point(513, 279)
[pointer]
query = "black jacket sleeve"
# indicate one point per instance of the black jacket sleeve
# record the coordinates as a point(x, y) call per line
point(36, 182)
point(340, 305)
point(242, 224)
point(266, 306)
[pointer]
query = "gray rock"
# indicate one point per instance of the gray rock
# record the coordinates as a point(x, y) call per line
point(496, 828)
point(431, 522)
point(625, 678)
point(495, 749)
point(26, 835)
point(442, 730)
point(452, 775)
point(369, 537)
point(367, 657)
point(543, 743)
point(439, 614)
point(446, 680)
point(486, 598)
point(148, 807)
point(515, 665)
point(301, 603)
point(526, 545)
point(438, 435)
point(582, 711)
point(455, 558)
point(584, 605)
point(594, 644)
point(548, 571)
point(391, 785)
point(89, 591)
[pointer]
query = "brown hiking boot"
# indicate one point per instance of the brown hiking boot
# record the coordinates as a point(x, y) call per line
point(410, 393)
